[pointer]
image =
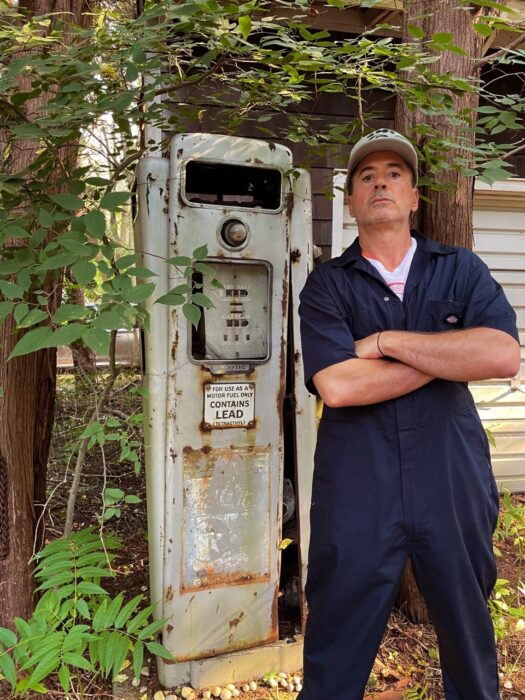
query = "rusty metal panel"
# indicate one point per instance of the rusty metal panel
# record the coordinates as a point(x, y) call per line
point(305, 423)
point(226, 517)
point(224, 476)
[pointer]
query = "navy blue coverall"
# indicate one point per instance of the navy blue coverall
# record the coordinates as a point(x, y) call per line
point(407, 477)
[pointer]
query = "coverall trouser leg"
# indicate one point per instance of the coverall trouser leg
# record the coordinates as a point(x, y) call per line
point(379, 497)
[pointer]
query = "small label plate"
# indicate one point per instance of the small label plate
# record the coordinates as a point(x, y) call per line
point(229, 405)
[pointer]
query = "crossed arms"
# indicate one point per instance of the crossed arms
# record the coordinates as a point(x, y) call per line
point(460, 356)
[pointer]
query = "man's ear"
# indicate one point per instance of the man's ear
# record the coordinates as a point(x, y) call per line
point(350, 207)
point(415, 203)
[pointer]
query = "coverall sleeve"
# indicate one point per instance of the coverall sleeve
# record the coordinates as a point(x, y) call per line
point(326, 338)
point(487, 305)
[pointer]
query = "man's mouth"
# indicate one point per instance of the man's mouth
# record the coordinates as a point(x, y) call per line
point(378, 200)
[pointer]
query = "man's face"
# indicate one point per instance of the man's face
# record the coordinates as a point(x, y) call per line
point(382, 190)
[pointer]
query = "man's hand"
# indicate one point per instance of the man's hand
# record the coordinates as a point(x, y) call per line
point(368, 348)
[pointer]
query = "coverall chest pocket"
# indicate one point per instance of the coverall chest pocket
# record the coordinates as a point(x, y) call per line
point(446, 314)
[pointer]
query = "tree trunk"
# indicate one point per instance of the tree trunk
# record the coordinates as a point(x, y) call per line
point(27, 404)
point(446, 214)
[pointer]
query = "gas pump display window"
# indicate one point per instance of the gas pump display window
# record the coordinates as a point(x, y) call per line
point(242, 186)
point(238, 327)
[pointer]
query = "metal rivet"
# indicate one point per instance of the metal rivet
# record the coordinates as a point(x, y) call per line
point(386, 298)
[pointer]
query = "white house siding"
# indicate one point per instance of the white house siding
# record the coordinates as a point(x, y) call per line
point(499, 239)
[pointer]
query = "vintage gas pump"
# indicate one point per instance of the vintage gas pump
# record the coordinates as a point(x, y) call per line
point(215, 429)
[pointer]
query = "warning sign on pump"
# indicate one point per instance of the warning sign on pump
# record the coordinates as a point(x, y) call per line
point(229, 405)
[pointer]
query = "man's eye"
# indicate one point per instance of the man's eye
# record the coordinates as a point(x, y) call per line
point(394, 173)
point(367, 178)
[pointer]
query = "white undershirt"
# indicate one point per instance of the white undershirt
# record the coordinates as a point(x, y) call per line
point(396, 279)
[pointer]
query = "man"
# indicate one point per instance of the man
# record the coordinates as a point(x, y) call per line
point(392, 331)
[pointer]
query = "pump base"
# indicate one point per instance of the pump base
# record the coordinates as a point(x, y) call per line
point(231, 668)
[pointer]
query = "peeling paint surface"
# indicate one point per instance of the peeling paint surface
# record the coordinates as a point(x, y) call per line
point(226, 517)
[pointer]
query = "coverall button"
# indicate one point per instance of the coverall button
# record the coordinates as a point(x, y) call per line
point(386, 298)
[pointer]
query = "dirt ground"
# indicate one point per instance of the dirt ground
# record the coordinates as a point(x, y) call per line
point(408, 657)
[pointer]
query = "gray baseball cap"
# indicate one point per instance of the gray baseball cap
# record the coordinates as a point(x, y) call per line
point(382, 140)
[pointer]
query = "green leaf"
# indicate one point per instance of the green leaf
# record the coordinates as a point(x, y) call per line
point(181, 289)
point(202, 300)
point(442, 37)
point(132, 499)
point(415, 31)
point(66, 335)
point(95, 222)
point(33, 317)
point(121, 647)
point(138, 658)
point(45, 667)
point(54, 262)
point(201, 252)
point(35, 339)
point(192, 313)
point(138, 54)
point(99, 617)
point(92, 572)
point(90, 588)
point(45, 218)
point(58, 580)
point(6, 307)
point(64, 678)
point(24, 630)
point(245, 26)
point(114, 200)
point(27, 131)
point(77, 660)
point(126, 261)
point(67, 201)
point(11, 290)
point(7, 637)
point(171, 299)
point(151, 629)
point(111, 513)
point(97, 339)
point(484, 30)
point(111, 648)
point(132, 72)
point(180, 261)
point(140, 618)
point(139, 293)
point(16, 231)
point(159, 650)
point(83, 608)
point(7, 667)
point(112, 495)
point(111, 320)
point(141, 272)
point(20, 311)
point(127, 611)
point(205, 269)
point(84, 272)
point(70, 312)
point(8, 267)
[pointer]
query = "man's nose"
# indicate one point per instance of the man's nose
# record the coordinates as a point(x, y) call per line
point(380, 184)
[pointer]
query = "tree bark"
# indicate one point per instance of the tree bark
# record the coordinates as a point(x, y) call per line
point(27, 404)
point(445, 214)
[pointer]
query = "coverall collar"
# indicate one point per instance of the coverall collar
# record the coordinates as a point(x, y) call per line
point(353, 255)
point(425, 249)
